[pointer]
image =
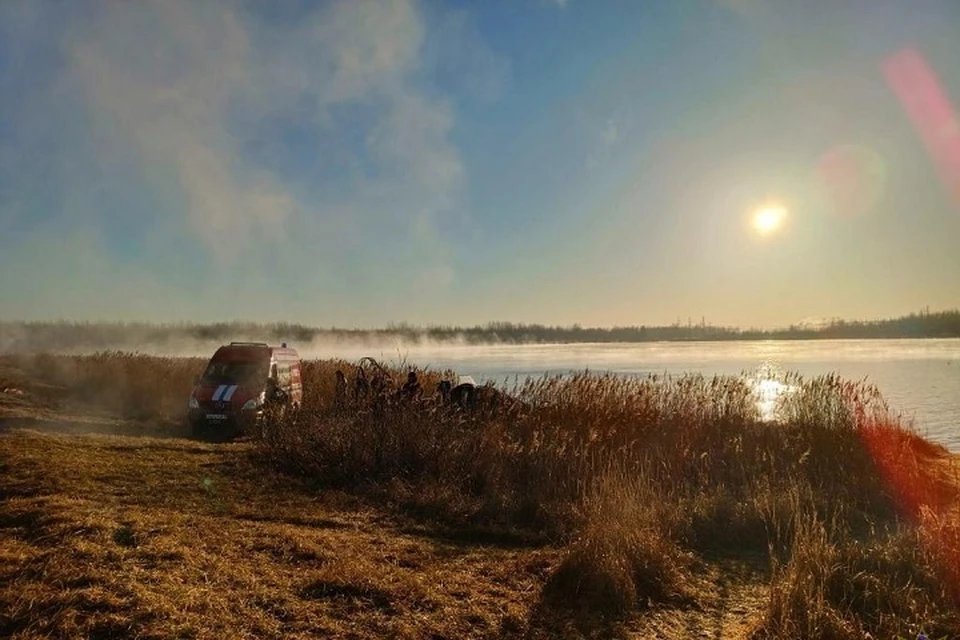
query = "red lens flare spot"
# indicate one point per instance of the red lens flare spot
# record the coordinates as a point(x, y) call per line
point(923, 480)
point(854, 179)
point(929, 108)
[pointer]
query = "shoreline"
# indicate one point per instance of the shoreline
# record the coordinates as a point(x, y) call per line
point(684, 517)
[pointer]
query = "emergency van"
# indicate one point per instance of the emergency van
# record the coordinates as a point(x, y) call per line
point(240, 381)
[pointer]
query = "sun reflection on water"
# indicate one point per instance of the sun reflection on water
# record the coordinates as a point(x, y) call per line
point(769, 389)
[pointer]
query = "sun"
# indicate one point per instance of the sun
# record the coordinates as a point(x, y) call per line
point(768, 218)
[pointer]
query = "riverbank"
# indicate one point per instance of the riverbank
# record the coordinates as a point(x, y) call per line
point(589, 507)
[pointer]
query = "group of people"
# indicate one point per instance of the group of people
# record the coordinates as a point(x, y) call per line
point(462, 394)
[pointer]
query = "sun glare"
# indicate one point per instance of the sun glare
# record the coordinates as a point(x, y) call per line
point(768, 218)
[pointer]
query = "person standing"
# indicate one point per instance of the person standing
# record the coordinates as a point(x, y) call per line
point(411, 388)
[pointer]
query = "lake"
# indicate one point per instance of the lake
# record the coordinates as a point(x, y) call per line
point(919, 378)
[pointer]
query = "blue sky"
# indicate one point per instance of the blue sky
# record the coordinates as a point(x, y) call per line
point(359, 163)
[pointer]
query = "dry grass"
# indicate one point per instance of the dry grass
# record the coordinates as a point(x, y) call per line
point(697, 474)
point(108, 537)
point(656, 486)
point(625, 557)
point(125, 385)
point(532, 461)
point(836, 586)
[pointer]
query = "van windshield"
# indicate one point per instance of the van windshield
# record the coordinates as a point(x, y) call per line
point(235, 372)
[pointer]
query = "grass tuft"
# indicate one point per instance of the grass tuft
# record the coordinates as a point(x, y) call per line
point(625, 557)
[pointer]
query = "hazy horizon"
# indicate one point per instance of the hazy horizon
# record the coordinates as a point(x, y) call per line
point(753, 163)
point(805, 323)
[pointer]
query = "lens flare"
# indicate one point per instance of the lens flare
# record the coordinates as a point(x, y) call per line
point(853, 178)
point(928, 106)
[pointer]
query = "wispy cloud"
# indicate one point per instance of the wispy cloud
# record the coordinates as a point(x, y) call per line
point(199, 73)
point(242, 128)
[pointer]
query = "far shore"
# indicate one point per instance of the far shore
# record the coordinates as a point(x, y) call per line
point(72, 336)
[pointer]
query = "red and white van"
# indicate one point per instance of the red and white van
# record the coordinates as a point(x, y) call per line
point(239, 381)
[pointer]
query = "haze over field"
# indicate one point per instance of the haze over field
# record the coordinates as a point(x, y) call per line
point(753, 162)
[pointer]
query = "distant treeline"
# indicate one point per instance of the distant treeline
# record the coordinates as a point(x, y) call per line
point(67, 336)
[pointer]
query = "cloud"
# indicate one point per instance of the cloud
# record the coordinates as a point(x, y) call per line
point(411, 145)
point(173, 78)
point(234, 128)
point(162, 78)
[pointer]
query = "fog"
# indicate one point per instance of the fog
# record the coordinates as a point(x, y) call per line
point(919, 378)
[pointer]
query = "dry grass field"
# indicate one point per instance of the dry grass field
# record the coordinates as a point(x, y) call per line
point(584, 506)
point(111, 536)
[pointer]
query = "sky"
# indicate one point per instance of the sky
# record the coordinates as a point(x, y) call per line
point(361, 163)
